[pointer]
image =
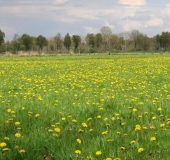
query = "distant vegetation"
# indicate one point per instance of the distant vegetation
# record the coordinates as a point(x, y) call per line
point(102, 42)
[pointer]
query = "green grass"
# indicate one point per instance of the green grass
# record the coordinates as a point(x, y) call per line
point(119, 97)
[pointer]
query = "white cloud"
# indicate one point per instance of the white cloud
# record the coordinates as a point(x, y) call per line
point(130, 25)
point(109, 25)
point(91, 29)
point(167, 10)
point(155, 22)
point(59, 2)
point(132, 2)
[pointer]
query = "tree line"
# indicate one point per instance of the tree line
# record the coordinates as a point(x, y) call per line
point(104, 41)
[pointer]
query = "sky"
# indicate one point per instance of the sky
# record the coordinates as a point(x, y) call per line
point(49, 17)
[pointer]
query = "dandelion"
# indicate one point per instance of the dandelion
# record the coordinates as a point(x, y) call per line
point(99, 116)
point(9, 110)
point(80, 131)
point(91, 130)
point(140, 150)
point(89, 119)
point(17, 135)
point(74, 121)
point(50, 130)
point(17, 123)
point(6, 138)
point(78, 141)
point(58, 130)
point(2, 144)
point(77, 151)
point(154, 117)
point(37, 115)
point(116, 159)
point(84, 125)
point(98, 153)
point(122, 148)
point(137, 127)
point(63, 118)
point(132, 142)
point(159, 109)
point(108, 158)
point(22, 151)
point(134, 110)
point(104, 132)
point(162, 125)
point(5, 149)
point(153, 139)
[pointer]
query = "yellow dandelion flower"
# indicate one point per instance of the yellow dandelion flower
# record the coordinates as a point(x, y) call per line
point(3, 144)
point(153, 139)
point(17, 123)
point(77, 151)
point(22, 151)
point(108, 158)
point(140, 150)
point(89, 119)
point(116, 159)
point(78, 141)
point(122, 148)
point(63, 118)
point(50, 130)
point(84, 125)
point(132, 142)
point(162, 125)
point(104, 132)
point(91, 130)
point(17, 135)
point(159, 109)
point(6, 138)
point(37, 115)
point(154, 117)
point(98, 153)
point(5, 149)
point(80, 131)
point(99, 116)
point(58, 130)
point(134, 110)
point(9, 110)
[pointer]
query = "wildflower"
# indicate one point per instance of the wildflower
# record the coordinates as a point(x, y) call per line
point(5, 149)
point(2, 144)
point(162, 125)
point(137, 127)
point(84, 125)
point(104, 132)
point(117, 114)
point(105, 119)
point(58, 130)
point(9, 110)
point(55, 135)
point(17, 135)
point(37, 115)
point(80, 131)
point(98, 153)
point(140, 150)
point(74, 121)
point(134, 110)
point(123, 123)
point(89, 119)
point(63, 118)
point(78, 140)
point(17, 123)
point(108, 158)
point(6, 138)
point(77, 151)
point(50, 130)
point(22, 151)
point(132, 142)
point(122, 148)
point(110, 140)
point(99, 117)
point(117, 132)
point(91, 130)
point(153, 139)
point(113, 118)
point(159, 109)
point(154, 117)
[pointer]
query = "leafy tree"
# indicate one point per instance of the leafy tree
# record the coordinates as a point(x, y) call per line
point(76, 40)
point(98, 40)
point(58, 42)
point(90, 40)
point(2, 36)
point(16, 43)
point(67, 41)
point(26, 40)
point(106, 33)
point(41, 42)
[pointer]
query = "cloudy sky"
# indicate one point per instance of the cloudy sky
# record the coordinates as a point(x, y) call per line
point(49, 17)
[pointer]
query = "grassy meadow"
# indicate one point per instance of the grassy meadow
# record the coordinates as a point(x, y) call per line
point(94, 107)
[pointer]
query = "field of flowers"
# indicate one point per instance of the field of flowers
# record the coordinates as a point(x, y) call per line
point(103, 107)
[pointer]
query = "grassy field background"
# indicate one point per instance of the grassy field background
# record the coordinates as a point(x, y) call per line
point(85, 107)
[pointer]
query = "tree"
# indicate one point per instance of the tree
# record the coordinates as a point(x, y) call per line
point(41, 42)
point(67, 41)
point(90, 40)
point(76, 40)
point(135, 36)
point(2, 36)
point(58, 42)
point(98, 40)
point(16, 43)
point(26, 40)
point(106, 33)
